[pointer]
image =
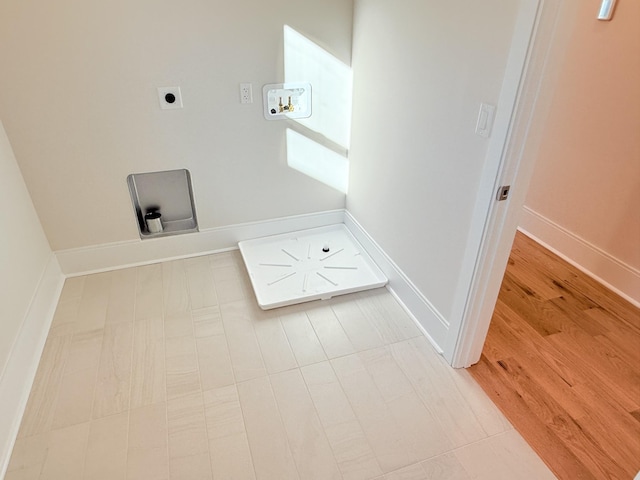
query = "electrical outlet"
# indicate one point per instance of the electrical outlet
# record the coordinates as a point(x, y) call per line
point(246, 93)
point(169, 97)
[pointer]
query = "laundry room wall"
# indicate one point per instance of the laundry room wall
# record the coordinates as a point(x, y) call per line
point(421, 71)
point(584, 196)
point(30, 282)
point(24, 251)
point(79, 101)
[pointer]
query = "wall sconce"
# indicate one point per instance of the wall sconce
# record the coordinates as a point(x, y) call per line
point(606, 9)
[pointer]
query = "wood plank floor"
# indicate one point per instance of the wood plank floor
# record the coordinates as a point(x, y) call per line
point(562, 362)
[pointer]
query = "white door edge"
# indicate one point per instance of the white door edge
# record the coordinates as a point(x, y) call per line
point(495, 223)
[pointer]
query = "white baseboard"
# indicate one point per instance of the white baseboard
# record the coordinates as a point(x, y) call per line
point(434, 326)
point(603, 267)
point(20, 371)
point(99, 258)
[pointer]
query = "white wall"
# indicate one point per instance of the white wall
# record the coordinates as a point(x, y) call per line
point(584, 197)
point(421, 70)
point(78, 95)
point(30, 283)
point(24, 251)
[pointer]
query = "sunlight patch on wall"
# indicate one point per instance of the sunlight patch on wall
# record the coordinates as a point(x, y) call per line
point(331, 82)
point(317, 161)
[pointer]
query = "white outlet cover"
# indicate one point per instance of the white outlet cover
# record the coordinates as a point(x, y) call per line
point(248, 88)
point(165, 97)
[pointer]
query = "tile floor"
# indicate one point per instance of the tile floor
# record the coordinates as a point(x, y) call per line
point(170, 371)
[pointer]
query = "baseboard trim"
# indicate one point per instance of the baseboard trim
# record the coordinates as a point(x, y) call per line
point(432, 324)
point(603, 267)
point(112, 256)
point(17, 379)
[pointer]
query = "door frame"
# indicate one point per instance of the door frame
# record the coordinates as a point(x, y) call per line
point(524, 101)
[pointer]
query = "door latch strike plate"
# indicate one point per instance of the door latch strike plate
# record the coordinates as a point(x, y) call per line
point(503, 192)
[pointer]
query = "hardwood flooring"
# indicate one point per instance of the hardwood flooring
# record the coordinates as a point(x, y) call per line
point(562, 362)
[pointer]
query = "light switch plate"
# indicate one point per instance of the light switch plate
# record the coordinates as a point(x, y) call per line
point(485, 120)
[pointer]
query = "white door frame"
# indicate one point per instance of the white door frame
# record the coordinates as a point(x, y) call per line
point(510, 161)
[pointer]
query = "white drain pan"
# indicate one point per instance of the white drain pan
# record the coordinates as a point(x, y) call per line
point(308, 265)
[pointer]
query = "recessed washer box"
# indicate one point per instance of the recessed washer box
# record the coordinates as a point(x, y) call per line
point(168, 193)
point(308, 265)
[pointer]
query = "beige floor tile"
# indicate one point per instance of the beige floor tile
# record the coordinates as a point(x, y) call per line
point(25, 474)
point(307, 439)
point(422, 435)
point(502, 457)
point(178, 325)
point(73, 288)
point(231, 269)
point(175, 287)
point(232, 284)
point(412, 472)
point(149, 303)
point(362, 334)
point(232, 258)
point(183, 391)
point(207, 322)
point(38, 416)
point(106, 457)
point(231, 458)
point(302, 338)
point(147, 453)
point(439, 392)
point(223, 412)
point(92, 312)
point(22, 475)
point(202, 290)
point(388, 317)
point(445, 467)
point(332, 336)
point(274, 345)
point(195, 467)
point(485, 411)
point(65, 458)
point(187, 426)
point(228, 443)
point(463, 409)
point(113, 384)
point(148, 382)
point(145, 464)
point(65, 318)
point(243, 346)
point(351, 449)
point(270, 451)
point(28, 457)
point(377, 419)
point(181, 363)
point(148, 427)
point(84, 351)
point(214, 362)
point(122, 296)
point(75, 398)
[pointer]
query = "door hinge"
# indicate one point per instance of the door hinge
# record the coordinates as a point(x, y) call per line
point(503, 192)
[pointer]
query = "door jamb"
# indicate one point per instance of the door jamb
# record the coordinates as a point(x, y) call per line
point(495, 222)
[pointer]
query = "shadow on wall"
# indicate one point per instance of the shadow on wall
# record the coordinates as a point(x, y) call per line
point(319, 145)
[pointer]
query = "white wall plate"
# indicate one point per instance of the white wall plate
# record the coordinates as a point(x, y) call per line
point(286, 100)
point(308, 265)
point(170, 98)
